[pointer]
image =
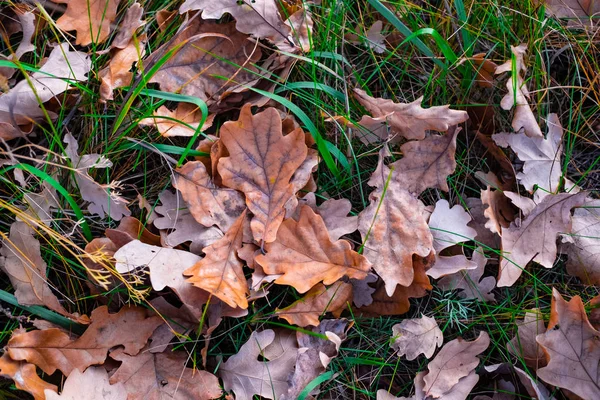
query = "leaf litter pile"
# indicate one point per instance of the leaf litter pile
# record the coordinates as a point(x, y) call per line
point(244, 232)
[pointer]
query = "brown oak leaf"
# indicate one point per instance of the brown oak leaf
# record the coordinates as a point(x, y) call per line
point(261, 164)
point(184, 121)
point(416, 336)
point(469, 281)
point(304, 254)
point(524, 344)
point(584, 252)
point(93, 384)
point(91, 19)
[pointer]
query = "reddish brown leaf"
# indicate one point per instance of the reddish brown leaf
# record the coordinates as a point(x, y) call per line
point(25, 377)
point(91, 19)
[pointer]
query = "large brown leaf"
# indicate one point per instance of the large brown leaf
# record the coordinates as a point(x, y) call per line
point(318, 301)
point(456, 360)
point(426, 163)
point(534, 238)
point(304, 254)
point(524, 344)
point(93, 384)
point(52, 349)
point(219, 50)
point(220, 271)
point(394, 229)
point(25, 377)
point(90, 18)
point(157, 376)
point(572, 347)
point(416, 336)
point(210, 205)
point(408, 120)
point(261, 164)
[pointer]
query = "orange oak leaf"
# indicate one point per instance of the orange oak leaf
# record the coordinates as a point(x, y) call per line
point(427, 163)
point(93, 382)
point(25, 377)
point(572, 348)
point(456, 360)
point(317, 301)
point(209, 204)
point(304, 254)
point(408, 120)
point(117, 74)
point(209, 50)
point(261, 164)
point(534, 238)
point(149, 376)
point(91, 19)
point(220, 271)
point(53, 349)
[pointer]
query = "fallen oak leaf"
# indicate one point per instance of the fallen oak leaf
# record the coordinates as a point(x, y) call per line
point(91, 19)
point(416, 336)
point(316, 302)
point(584, 253)
point(469, 281)
point(572, 348)
point(580, 14)
point(524, 344)
point(184, 121)
point(334, 213)
point(261, 164)
point(304, 255)
point(95, 382)
point(25, 377)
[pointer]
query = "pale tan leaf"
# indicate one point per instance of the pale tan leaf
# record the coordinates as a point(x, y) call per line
point(374, 39)
point(261, 164)
point(426, 163)
point(572, 347)
point(208, 50)
point(260, 18)
point(542, 165)
point(91, 385)
point(131, 22)
point(448, 225)
point(246, 376)
point(28, 27)
point(209, 204)
point(103, 199)
point(334, 213)
point(416, 336)
point(499, 211)
point(25, 377)
point(450, 265)
point(184, 121)
point(534, 238)
point(220, 271)
point(456, 360)
point(407, 120)
point(300, 26)
point(52, 349)
point(584, 252)
point(41, 204)
point(524, 344)
point(317, 301)
point(580, 13)
point(304, 254)
point(469, 281)
point(150, 376)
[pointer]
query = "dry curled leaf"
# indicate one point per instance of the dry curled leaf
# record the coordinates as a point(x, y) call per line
point(408, 120)
point(416, 336)
point(25, 377)
point(91, 385)
point(246, 376)
point(53, 349)
point(103, 199)
point(524, 344)
point(534, 238)
point(469, 281)
point(209, 204)
point(304, 254)
point(150, 376)
point(456, 360)
point(316, 302)
point(184, 121)
point(220, 271)
point(426, 163)
point(91, 19)
point(261, 164)
point(572, 348)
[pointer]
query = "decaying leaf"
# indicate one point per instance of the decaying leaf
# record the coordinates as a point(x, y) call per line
point(572, 347)
point(584, 252)
point(53, 349)
point(469, 281)
point(426, 163)
point(374, 39)
point(304, 254)
point(103, 199)
point(220, 271)
point(524, 344)
point(150, 376)
point(456, 360)
point(182, 226)
point(362, 290)
point(408, 120)
point(27, 26)
point(534, 238)
point(335, 215)
point(91, 385)
point(246, 376)
point(117, 74)
point(499, 211)
point(518, 95)
point(210, 50)
point(91, 19)
point(184, 121)
point(25, 377)
point(261, 164)
point(318, 301)
point(416, 336)
point(541, 157)
point(579, 13)
point(26, 270)
point(209, 204)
